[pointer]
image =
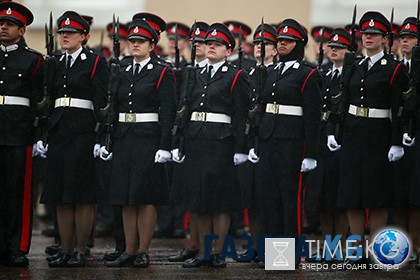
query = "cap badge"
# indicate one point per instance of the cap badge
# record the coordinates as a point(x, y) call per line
point(230, 27)
point(214, 32)
point(371, 23)
point(9, 11)
point(335, 37)
point(67, 22)
point(285, 29)
point(136, 30)
point(197, 31)
point(260, 34)
point(173, 29)
point(407, 26)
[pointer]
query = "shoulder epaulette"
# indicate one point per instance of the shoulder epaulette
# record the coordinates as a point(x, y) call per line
point(33, 51)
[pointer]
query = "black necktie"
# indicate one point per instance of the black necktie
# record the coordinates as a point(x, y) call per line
point(68, 62)
point(280, 70)
point(407, 64)
point(365, 64)
point(136, 69)
point(209, 73)
point(335, 75)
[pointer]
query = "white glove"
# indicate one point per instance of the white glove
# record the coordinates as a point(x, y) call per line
point(308, 164)
point(395, 153)
point(35, 153)
point(175, 156)
point(96, 150)
point(40, 149)
point(104, 154)
point(252, 157)
point(332, 144)
point(408, 141)
point(162, 156)
point(239, 158)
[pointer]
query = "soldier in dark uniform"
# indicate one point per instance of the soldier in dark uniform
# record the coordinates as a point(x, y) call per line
point(407, 212)
point(122, 36)
point(215, 143)
point(234, 26)
point(371, 142)
point(324, 179)
point(21, 89)
point(396, 42)
point(183, 42)
point(246, 171)
point(358, 37)
point(145, 105)
point(288, 132)
point(316, 33)
point(192, 247)
point(78, 80)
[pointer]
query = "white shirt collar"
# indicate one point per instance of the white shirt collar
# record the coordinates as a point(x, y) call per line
point(202, 63)
point(9, 48)
point(375, 58)
point(142, 63)
point(287, 65)
point(216, 67)
point(340, 70)
point(74, 55)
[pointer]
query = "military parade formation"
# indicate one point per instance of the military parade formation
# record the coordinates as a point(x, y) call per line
point(214, 133)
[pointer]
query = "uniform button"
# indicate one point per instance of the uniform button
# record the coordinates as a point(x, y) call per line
point(205, 87)
point(361, 97)
point(4, 68)
point(65, 77)
point(253, 99)
point(272, 94)
point(203, 95)
point(253, 89)
point(325, 97)
point(129, 94)
point(325, 105)
point(131, 111)
point(131, 85)
point(361, 80)
point(1, 82)
point(6, 55)
point(19, 75)
point(274, 84)
point(328, 89)
point(361, 105)
point(130, 103)
point(201, 104)
point(274, 102)
point(361, 89)
point(64, 86)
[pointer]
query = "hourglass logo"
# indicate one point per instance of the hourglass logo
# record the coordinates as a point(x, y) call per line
point(280, 254)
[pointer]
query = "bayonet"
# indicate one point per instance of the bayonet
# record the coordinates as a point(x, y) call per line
point(391, 34)
point(262, 42)
point(321, 49)
point(240, 50)
point(176, 47)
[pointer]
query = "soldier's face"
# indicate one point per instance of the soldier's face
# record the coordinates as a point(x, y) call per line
point(407, 44)
point(71, 41)
point(140, 49)
point(337, 54)
point(10, 32)
point(270, 51)
point(200, 49)
point(216, 51)
point(285, 46)
point(373, 42)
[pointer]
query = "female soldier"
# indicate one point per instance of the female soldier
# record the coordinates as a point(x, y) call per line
point(288, 132)
point(215, 143)
point(372, 96)
point(79, 78)
point(145, 105)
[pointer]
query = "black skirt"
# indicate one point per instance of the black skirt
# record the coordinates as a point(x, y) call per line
point(211, 183)
point(136, 178)
point(70, 167)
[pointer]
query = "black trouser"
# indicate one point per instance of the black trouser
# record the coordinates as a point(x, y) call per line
point(16, 199)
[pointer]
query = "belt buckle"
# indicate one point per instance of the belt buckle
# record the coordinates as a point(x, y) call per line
point(200, 116)
point(65, 101)
point(275, 108)
point(362, 112)
point(130, 117)
point(2, 99)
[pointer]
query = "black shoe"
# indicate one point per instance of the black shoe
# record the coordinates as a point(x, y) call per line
point(246, 258)
point(217, 261)
point(184, 255)
point(142, 260)
point(197, 261)
point(18, 259)
point(112, 256)
point(56, 256)
point(122, 261)
point(61, 261)
point(52, 249)
point(77, 260)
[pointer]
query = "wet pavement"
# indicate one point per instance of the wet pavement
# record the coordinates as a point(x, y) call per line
point(162, 269)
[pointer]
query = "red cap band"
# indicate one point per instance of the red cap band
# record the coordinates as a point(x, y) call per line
point(267, 35)
point(374, 24)
point(72, 23)
point(290, 31)
point(12, 13)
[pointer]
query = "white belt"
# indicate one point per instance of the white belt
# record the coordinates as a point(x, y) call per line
point(138, 118)
point(278, 109)
point(210, 117)
point(369, 112)
point(73, 102)
point(14, 100)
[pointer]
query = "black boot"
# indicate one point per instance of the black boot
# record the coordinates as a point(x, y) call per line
point(61, 261)
point(121, 261)
point(142, 260)
point(184, 255)
point(77, 260)
point(217, 261)
point(197, 261)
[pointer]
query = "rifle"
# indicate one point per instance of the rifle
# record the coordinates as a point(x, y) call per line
point(340, 101)
point(391, 34)
point(261, 72)
point(108, 110)
point(176, 47)
point(187, 86)
point(240, 50)
point(44, 104)
point(321, 49)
